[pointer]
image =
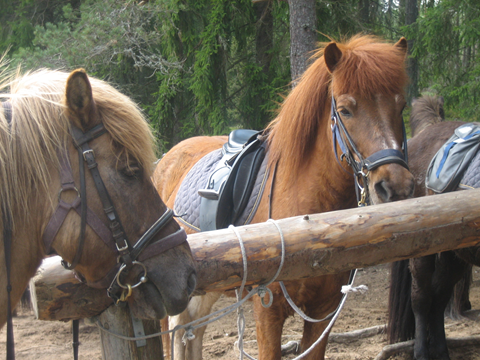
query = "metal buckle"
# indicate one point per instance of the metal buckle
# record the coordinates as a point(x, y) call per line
point(87, 152)
point(122, 248)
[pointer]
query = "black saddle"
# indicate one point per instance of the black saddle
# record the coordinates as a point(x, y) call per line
point(230, 185)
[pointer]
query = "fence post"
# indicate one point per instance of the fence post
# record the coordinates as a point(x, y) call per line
point(119, 320)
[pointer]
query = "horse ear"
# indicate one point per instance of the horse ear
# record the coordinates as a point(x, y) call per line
point(402, 45)
point(79, 98)
point(332, 55)
point(441, 100)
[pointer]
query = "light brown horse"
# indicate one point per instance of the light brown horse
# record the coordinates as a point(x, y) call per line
point(39, 115)
point(366, 77)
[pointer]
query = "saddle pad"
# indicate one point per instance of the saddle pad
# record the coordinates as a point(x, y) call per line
point(187, 201)
point(471, 178)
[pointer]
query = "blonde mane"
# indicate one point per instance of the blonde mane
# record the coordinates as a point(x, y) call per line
point(28, 145)
point(368, 66)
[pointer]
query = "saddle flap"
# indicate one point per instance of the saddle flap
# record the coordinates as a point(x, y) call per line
point(239, 184)
point(245, 179)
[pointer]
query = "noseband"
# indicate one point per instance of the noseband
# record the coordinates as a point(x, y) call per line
point(363, 166)
point(113, 235)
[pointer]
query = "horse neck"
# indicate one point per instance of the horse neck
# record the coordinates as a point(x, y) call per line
point(26, 255)
point(321, 185)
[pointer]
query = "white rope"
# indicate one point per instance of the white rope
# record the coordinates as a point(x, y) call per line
point(347, 289)
point(261, 290)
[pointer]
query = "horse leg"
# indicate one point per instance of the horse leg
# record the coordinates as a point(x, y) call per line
point(422, 270)
point(198, 307)
point(449, 269)
point(269, 323)
point(323, 299)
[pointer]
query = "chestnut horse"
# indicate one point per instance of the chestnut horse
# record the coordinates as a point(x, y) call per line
point(366, 78)
point(51, 123)
point(421, 288)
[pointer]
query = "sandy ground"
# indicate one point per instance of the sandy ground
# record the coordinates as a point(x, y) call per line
point(42, 340)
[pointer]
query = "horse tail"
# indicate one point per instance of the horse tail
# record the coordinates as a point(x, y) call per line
point(401, 321)
point(166, 342)
point(460, 300)
point(26, 299)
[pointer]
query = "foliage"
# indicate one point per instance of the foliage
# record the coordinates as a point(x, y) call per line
point(205, 66)
point(447, 46)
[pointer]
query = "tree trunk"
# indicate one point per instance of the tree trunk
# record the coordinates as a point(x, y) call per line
point(303, 35)
point(411, 14)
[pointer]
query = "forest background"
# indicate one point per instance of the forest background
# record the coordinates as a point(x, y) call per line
point(203, 67)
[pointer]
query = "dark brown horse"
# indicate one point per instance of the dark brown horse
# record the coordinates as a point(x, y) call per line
point(426, 110)
point(366, 77)
point(65, 140)
point(421, 288)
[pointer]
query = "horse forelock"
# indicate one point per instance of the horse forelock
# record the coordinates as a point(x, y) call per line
point(39, 127)
point(368, 66)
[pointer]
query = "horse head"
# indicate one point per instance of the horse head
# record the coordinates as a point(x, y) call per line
point(367, 81)
point(93, 202)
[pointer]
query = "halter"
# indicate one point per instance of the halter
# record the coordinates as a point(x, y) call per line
point(113, 235)
point(363, 166)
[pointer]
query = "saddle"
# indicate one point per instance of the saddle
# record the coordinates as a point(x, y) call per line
point(230, 185)
point(450, 163)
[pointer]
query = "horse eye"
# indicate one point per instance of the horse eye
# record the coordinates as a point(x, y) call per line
point(345, 112)
point(132, 172)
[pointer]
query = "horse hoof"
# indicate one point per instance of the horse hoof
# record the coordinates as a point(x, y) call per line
point(292, 347)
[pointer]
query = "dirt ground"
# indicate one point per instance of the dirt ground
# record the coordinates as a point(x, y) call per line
point(42, 340)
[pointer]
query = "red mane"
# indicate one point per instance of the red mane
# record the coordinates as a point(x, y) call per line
point(368, 66)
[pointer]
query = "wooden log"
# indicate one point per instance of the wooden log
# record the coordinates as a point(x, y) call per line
point(118, 320)
point(332, 242)
point(55, 294)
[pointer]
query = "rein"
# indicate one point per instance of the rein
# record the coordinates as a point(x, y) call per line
point(7, 244)
point(363, 166)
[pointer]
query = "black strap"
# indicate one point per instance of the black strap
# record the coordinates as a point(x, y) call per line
point(75, 343)
point(7, 243)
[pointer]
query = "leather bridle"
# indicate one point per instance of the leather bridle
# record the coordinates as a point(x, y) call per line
point(114, 236)
point(363, 166)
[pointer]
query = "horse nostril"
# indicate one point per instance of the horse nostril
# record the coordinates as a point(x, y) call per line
point(382, 190)
point(191, 283)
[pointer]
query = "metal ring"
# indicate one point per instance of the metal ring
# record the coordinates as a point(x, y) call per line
point(70, 188)
point(143, 279)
